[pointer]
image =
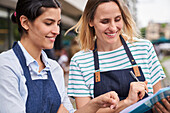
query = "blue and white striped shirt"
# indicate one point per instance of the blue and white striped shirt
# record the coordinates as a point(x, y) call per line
point(81, 75)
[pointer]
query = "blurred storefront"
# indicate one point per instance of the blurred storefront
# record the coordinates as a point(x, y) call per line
point(6, 31)
point(71, 12)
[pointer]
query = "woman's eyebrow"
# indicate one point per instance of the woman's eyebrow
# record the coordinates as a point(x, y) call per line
point(50, 19)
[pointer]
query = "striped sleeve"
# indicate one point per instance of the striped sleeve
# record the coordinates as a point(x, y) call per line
point(76, 85)
point(155, 67)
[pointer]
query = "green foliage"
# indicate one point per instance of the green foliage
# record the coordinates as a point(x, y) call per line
point(163, 25)
point(143, 32)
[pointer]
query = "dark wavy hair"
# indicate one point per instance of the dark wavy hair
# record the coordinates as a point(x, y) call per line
point(31, 9)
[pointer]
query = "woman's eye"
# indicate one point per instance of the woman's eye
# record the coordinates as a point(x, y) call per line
point(48, 23)
point(117, 19)
point(104, 21)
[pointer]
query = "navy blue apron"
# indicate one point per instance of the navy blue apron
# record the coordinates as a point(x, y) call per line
point(43, 96)
point(115, 80)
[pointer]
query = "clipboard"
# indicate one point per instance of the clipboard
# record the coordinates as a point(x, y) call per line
point(147, 103)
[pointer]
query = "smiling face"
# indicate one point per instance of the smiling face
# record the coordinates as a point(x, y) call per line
point(107, 23)
point(43, 30)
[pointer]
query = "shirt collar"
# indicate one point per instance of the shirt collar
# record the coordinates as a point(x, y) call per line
point(30, 59)
point(45, 59)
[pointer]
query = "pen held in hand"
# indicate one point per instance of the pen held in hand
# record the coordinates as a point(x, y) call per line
point(133, 75)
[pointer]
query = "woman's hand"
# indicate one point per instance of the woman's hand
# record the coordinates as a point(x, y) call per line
point(109, 99)
point(165, 108)
point(136, 92)
point(62, 109)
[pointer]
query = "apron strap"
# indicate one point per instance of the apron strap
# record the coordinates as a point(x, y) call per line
point(95, 54)
point(129, 54)
point(43, 95)
point(18, 52)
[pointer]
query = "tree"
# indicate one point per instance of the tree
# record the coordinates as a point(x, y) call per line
point(143, 32)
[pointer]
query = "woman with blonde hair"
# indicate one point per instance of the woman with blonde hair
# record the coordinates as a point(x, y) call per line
point(30, 82)
point(110, 50)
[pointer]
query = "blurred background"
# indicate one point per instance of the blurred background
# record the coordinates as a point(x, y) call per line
point(152, 18)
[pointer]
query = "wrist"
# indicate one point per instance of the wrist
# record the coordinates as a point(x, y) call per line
point(93, 105)
point(128, 102)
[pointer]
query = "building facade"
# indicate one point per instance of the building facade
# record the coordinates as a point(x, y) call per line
point(9, 32)
point(167, 31)
point(71, 12)
point(156, 30)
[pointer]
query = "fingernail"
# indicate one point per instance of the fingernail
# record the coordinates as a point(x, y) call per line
point(112, 106)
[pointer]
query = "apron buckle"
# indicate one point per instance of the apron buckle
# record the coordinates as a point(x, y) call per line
point(97, 76)
point(136, 70)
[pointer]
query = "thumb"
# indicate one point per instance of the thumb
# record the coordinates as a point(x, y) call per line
point(146, 82)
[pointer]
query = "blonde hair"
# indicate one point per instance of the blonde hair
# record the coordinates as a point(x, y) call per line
point(86, 34)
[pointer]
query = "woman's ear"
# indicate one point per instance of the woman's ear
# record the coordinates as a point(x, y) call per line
point(24, 22)
point(91, 24)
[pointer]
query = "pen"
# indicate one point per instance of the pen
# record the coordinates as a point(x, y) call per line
point(133, 75)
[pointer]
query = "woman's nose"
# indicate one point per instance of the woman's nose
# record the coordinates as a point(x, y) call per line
point(56, 30)
point(112, 26)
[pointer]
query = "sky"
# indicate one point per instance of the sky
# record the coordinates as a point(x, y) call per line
point(153, 10)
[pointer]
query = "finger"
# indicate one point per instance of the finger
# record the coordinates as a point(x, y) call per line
point(168, 98)
point(166, 103)
point(109, 99)
point(109, 103)
point(112, 107)
point(156, 109)
point(135, 92)
point(141, 94)
point(142, 91)
point(114, 96)
point(114, 99)
point(146, 82)
point(105, 105)
point(161, 107)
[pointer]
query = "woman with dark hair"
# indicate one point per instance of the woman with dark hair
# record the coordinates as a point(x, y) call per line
point(110, 50)
point(30, 82)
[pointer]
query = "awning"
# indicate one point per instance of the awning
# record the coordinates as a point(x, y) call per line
point(161, 40)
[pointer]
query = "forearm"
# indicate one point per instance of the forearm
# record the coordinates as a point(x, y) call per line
point(121, 105)
point(157, 87)
point(90, 107)
point(108, 100)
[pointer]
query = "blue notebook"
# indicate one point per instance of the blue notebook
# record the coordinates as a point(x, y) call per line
point(147, 103)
